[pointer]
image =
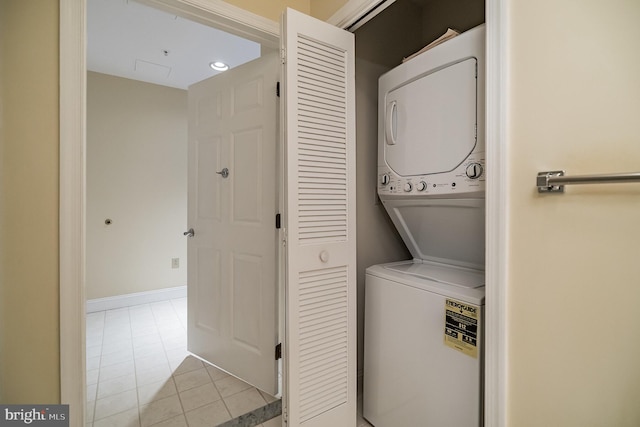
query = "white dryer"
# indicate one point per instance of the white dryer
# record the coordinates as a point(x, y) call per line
point(423, 352)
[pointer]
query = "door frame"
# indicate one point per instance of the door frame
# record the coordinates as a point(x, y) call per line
point(72, 184)
point(238, 21)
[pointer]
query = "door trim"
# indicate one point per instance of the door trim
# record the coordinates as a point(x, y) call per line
point(496, 360)
point(72, 197)
point(350, 16)
point(72, 207)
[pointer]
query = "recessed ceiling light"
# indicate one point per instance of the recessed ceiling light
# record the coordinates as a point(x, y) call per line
point(219, 66)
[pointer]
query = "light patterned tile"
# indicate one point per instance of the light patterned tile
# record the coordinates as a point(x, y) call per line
point(92, 392)
point(153, 374)
point(148, 350)
point(152, 360)
point(156, 391)
point(94, 351)
point(117, 312)
point(192, 379)
point(173, 332)
point(179, 421)
point(117, 347)
point(91, 407)
point(273, 422)
point(140, 308)
point(119, 323)
point(160, 410)
point(115, 404)
point(188, 364)
point(175, 343)
point(148, 339)
point(93, 338)
point(129, 418)
point(116, 385)
point(114, 358)
point(177, 355)
point(93, 363)
point(160, 307)
point(268, 397)
point(95, 321)
point(215, 373)
point(199, 396)
point(92, 376)
point(207, 416)
point(143, 324)
point(117, 370)
point(230, 385)
point(116, 338)
point(243, 402)
point(180, 305)
point(141, 316)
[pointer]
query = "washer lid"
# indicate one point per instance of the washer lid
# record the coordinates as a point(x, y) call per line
point(456, 282)
point(456, 276)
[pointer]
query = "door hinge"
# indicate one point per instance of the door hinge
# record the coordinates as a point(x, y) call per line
point(283, 55)
point(279, 351)
point(278, 89)
point(278, 221)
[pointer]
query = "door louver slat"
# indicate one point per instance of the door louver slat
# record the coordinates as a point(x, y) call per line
point(327, 165)
point(323, 296)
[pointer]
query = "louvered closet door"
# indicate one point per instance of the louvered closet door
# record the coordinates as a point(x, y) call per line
point(320, 346)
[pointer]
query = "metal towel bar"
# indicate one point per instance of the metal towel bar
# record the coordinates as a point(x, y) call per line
point(554, 181)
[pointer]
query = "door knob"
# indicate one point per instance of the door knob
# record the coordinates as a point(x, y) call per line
point(189, 233)
point(224, 172)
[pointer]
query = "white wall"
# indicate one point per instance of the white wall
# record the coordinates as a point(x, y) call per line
point(573, 268)
point(137, 177)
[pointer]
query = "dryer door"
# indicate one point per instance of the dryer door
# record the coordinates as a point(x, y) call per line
point(430, 122)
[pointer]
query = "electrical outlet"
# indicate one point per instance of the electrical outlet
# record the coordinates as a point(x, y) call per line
point(175, 262)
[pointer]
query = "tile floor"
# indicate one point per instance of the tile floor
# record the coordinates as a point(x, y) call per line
point(139, 373)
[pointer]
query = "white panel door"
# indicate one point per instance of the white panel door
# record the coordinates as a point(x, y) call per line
point(320, 326)
point(232, 288)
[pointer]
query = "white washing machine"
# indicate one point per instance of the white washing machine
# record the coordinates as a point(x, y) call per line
point(423, 343)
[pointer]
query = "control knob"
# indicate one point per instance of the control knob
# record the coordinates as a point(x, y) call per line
point(474, 170)
point(408, 187)
point(421, 186)
point(384, 179)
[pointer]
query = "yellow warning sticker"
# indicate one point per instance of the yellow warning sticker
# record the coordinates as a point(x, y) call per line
point(461, 327)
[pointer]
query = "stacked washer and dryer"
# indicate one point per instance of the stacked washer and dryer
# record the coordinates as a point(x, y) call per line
point(423, 343)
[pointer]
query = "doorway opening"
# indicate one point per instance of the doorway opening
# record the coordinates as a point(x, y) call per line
point(141, 62)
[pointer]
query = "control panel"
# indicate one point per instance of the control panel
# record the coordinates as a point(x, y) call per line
point(468, 177)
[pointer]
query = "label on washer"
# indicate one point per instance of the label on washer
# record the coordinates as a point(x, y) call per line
point(461, 326)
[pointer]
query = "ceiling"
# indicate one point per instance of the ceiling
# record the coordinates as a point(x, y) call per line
point(131, 40)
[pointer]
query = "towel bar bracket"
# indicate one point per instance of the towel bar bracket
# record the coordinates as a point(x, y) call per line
point(544, 186)
point(554, 181)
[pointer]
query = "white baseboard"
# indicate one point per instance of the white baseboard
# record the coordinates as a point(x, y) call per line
point(127, 300)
